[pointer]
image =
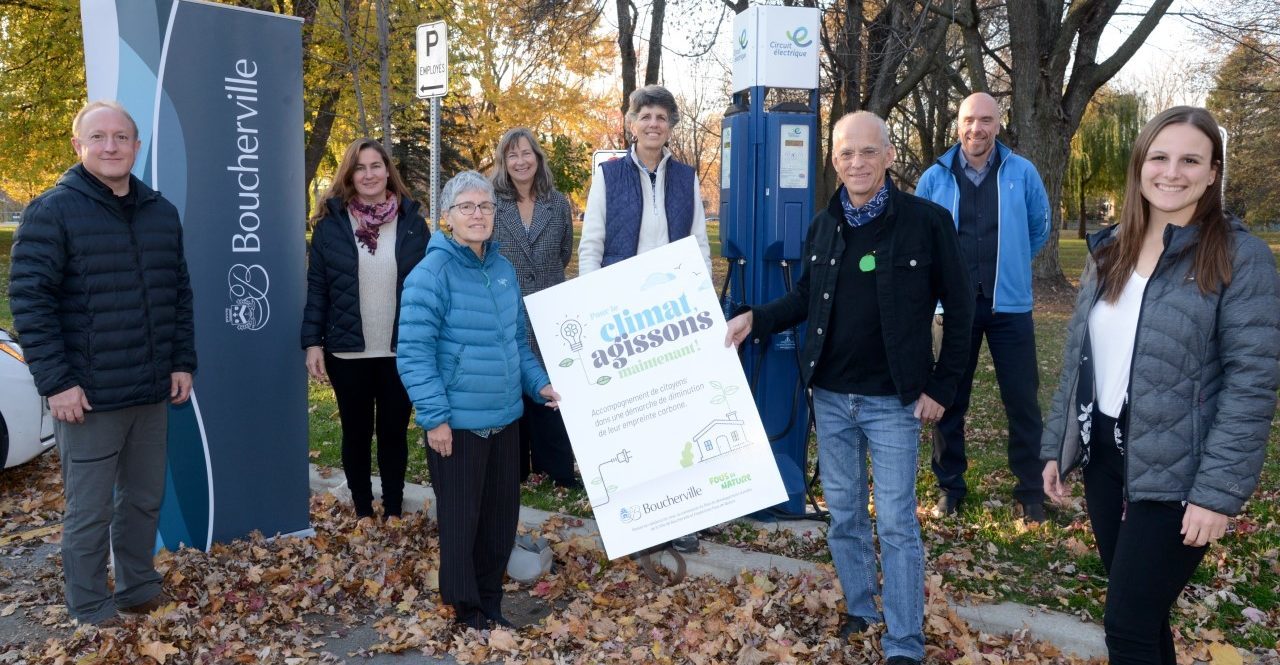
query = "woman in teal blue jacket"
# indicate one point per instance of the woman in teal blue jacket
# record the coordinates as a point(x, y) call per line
point(465, 360)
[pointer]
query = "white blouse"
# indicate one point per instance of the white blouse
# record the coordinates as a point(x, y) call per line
point(1112, 329)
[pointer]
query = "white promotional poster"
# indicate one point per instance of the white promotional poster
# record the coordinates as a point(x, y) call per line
point(659, 412)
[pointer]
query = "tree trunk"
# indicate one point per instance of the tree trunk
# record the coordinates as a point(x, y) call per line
point(384, 65)
point(353, 66)
point(654, 61)
point(1044, 39)
point(318, 138)
point(320, 118)
point(844, 49)
point(1083, 221)
point(1045, 140)
point(627, 53)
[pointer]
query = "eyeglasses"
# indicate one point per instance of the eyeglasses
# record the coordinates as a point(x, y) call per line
point(867, 154)
point(470, 208)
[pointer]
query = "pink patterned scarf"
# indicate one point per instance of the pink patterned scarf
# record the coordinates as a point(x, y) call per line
point(370, 217)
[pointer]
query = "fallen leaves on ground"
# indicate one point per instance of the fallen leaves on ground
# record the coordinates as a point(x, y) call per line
point(268, 601)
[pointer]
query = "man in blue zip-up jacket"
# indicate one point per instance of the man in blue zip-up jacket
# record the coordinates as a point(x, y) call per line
point(1001, 211)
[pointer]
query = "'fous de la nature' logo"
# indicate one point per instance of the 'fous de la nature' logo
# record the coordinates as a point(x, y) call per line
point(247, 286)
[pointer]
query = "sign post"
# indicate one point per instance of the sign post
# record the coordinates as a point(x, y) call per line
point(433, 83)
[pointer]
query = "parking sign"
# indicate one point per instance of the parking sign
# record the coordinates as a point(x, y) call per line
point(433, 60)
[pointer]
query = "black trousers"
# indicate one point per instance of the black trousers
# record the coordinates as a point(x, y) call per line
point(1012, 341)
point(544, 443)
point(477, 507)
point(371, 398)
point(1141, 548)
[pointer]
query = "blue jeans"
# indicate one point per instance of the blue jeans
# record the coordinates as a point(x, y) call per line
point(849, 428)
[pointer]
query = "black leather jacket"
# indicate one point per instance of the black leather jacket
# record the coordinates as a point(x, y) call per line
point(918, 264)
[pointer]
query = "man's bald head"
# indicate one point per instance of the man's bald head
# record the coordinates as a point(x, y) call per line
point(977, 127)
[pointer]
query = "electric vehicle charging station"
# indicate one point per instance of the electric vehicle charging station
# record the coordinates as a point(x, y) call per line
point(769, 153)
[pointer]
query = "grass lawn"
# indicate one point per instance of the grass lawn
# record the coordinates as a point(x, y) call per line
point(6, 244)
point(984, 553)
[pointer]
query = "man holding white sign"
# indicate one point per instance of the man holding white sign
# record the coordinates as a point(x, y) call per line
point(879, 260)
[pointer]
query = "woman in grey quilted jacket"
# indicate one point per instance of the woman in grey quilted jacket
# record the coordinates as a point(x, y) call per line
point(1169, 381)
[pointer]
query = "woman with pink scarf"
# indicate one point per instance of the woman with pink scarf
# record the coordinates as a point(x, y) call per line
point(367, 234)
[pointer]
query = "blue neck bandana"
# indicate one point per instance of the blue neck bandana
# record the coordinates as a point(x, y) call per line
point(859, 215)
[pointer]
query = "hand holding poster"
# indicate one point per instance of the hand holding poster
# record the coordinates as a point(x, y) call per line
point(659, 412)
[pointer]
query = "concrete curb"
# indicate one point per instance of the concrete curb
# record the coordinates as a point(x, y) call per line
point(722, 562)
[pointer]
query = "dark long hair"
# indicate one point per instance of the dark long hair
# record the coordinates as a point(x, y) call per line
point(342, 186)
point(1212, 264)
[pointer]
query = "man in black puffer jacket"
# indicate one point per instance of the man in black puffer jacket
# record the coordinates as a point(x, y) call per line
point(102, 302)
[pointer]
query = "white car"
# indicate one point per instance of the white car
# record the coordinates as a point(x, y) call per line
point(26, 426)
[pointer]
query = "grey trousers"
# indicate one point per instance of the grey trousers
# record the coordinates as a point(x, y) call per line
point(113, 480)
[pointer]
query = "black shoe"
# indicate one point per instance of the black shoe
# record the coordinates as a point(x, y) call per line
point(687, 544)
point(499, 621)
point(947, 505)
point(1033, 513)
point(148, 606)
point(473, 620)
point(852, 626)
point(901, 660)
point(569, 484)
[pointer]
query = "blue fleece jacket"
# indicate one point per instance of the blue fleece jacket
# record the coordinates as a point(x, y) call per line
point(1024, 220)
point(463, 354)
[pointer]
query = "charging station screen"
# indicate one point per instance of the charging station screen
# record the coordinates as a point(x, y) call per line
point(793, 157)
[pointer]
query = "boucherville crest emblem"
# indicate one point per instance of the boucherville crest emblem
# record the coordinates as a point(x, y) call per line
point(247, 287)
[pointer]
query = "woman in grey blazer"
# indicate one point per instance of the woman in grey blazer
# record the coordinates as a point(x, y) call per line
point(534, 229)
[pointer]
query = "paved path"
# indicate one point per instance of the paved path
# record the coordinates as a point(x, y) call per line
point(1068, 633)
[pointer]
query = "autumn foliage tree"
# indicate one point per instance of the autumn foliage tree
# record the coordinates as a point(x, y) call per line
point(1245, 100)
point(36, 106)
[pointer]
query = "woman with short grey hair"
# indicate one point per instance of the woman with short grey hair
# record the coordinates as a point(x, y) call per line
point(465, 360)
point(467, 181)
point(646, 199)
point(652, 95)
point(534, 228)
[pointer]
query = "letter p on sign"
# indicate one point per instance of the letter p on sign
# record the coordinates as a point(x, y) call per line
point(433, 60)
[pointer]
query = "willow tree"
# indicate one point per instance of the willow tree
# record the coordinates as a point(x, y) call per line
point(1100, 150)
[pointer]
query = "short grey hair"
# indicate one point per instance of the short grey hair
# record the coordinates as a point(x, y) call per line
point(467, 181)
point(652, 95)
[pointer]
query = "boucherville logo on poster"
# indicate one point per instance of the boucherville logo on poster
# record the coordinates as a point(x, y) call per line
point(247, 286)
